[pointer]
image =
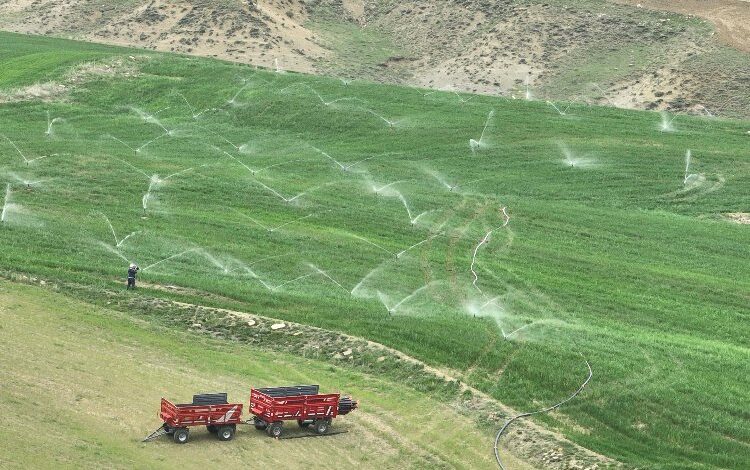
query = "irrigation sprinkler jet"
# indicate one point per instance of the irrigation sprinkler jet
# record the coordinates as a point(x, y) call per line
point(666, 122)
point(251, 170)
point(377, 190)
point(402, 252)
point(114, 251)
point(544, 410)
point(319, 96)
point(139, 149)
point(475, 145)
point(169, 258)
point(528, 90)
point(391, 124)
point(28, 161)
point(50, 123)
point(118, 242)
point(299, 278)
point(6, 203)
point(252, 274)
point(462, 185)
point(559, 111)
point(327, 276)
point(392, 310)
point(154, 182)
point(375, 245)
point(442, 181)
point(462, 99)
point(708, 113)
point(123, 143)
point(688, 158)
point(279, 164)
point(506, 336)
point(325, 154)
point(604, 94)
point(278, 227)
point(25, 182)
point(151, 118)
point(352, 165)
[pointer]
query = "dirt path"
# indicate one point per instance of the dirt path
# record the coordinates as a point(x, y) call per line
point(731, 17)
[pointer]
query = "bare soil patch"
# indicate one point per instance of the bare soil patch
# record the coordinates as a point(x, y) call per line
point(731, 17)
point(739, 217)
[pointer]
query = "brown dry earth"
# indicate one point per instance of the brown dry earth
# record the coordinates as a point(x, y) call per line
point(476, 46)
point(731, 17)
point(256, 32)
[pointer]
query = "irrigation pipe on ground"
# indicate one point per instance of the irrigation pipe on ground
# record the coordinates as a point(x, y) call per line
point(545, 410)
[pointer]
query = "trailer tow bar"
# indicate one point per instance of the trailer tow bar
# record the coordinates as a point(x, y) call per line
point(312, 435)
point(158, 433)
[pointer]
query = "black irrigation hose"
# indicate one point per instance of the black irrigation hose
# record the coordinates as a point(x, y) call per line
point(545, 410)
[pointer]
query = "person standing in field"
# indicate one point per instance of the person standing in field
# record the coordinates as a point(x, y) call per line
point(132, 271)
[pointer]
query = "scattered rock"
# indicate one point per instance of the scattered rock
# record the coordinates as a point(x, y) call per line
point(278, 326)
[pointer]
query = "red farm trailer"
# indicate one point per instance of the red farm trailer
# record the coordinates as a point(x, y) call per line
point(272, 406)
point(210, 410)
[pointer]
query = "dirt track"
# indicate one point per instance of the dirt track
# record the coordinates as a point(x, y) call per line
point(731, 17)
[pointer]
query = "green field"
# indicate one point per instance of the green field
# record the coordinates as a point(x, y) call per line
point(612, 250)
point(93, 399)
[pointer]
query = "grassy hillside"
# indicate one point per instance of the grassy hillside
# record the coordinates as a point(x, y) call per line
point(93, 399)
point(360, 208)
point(592, 51)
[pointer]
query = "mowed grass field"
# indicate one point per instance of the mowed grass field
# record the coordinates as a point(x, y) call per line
point(81, 388)
point(364, 209)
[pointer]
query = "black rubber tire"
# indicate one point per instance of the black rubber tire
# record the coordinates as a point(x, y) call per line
point(181, 435)
point(225, 433)
point(168, 430)
point(212, 429)
point(275, 429)
point(259, 424)
point(303, 424)
point(321, 426)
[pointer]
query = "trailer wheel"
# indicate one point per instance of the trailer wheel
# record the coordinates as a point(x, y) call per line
point(225, 433)
point(167, 429)
point(275, 429)
point(321, 426)
point(303, 424)
point(181, 435)
point(260, 425)
point(212, 428)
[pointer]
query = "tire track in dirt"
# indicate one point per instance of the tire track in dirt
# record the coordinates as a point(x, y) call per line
point(730, 17)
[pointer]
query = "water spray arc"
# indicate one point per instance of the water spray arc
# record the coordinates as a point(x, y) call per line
point(26, 160)
point(688, 157)
point(118, 242)
point(403, 252)
point(475, 145)
point(169, 258)
point(51, 122)
point(666, 122)
point(6, 203)
point(560, 111)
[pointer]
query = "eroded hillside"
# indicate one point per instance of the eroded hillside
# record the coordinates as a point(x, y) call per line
point(592, 51)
